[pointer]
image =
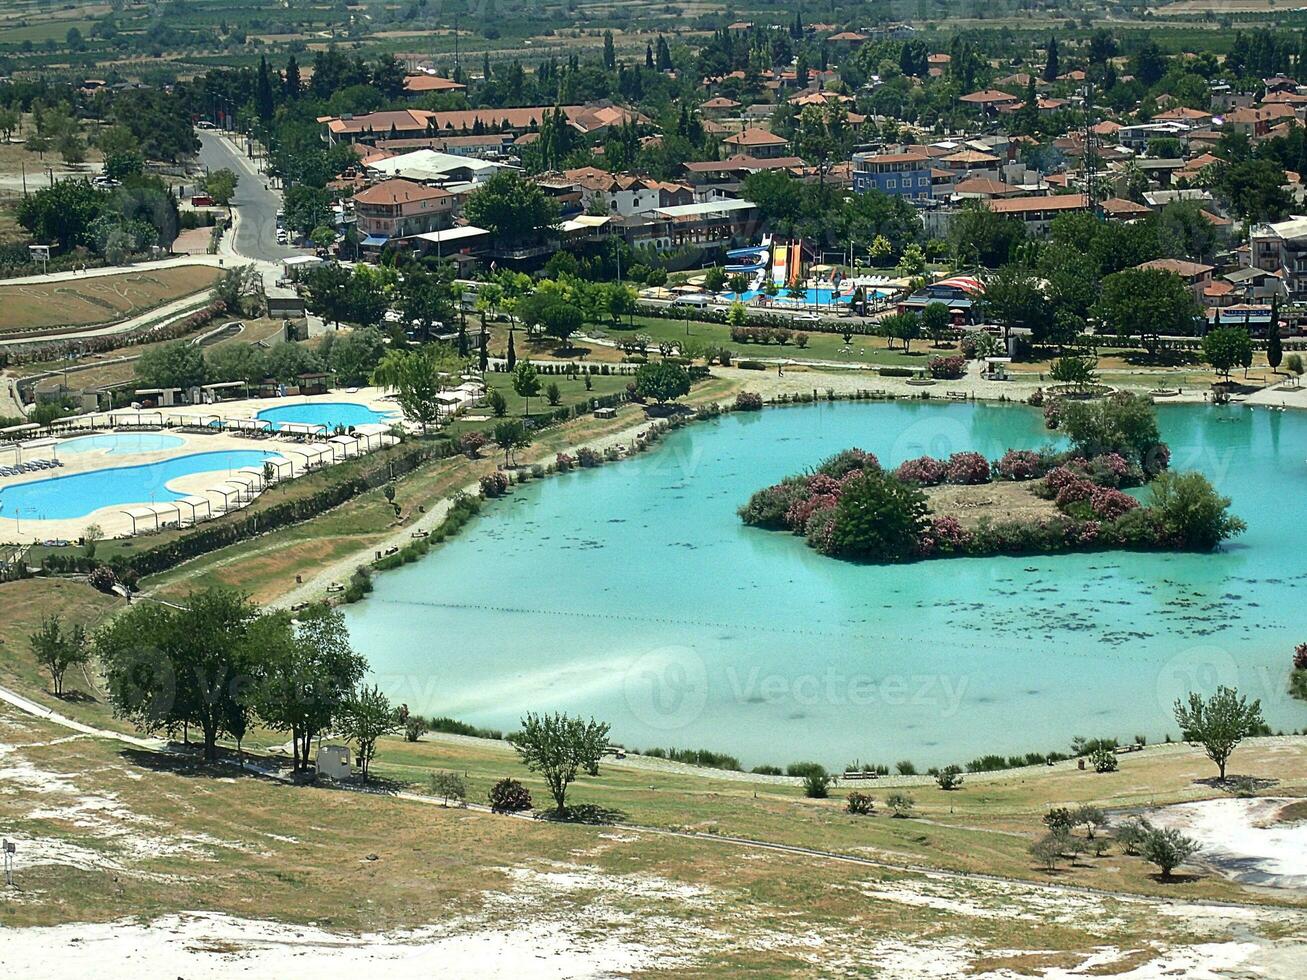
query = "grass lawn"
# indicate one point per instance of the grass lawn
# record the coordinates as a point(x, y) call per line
point(97, 299)
point(864, 350)
point(146, 835)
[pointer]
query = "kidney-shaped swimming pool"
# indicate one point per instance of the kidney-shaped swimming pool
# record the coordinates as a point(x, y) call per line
point(79, 494)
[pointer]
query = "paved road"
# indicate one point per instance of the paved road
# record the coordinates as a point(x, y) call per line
point(256, 206)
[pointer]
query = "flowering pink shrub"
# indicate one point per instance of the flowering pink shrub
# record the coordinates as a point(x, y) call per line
point(470, 444)
point(821, 483)
point(748, 401)
point(102, 578)
point(967, 468)
point(1108, 503)
point(587, 457)
point(1087, 533)
point(797, 517)
point(849, 459)
point(1020, 464)
point(494, 484)
point(1074, 492)
point(1052, 413)
point(947, 367)
point(924, 471)
point(564, 462)
point(944, 535)
point(1059, 477)
point(1300, 657)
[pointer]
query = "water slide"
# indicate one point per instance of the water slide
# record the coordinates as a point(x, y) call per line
point(752, 259)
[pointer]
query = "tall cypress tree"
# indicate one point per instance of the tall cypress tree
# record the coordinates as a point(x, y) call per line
point(484, 362)
point(1051, 68)
point(1274, 353)
point(292, 83)
point(263, 103)
point(512, 352)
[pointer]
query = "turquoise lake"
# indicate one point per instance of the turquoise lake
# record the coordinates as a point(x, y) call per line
point(633, 593)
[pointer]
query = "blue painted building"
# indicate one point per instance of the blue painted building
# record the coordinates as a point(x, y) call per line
point(897, 174)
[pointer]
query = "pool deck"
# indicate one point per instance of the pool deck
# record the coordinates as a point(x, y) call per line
point(215, 486)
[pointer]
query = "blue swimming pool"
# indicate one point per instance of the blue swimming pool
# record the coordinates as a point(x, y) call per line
point(121, 443)
point(333, 415)
point(78, 494)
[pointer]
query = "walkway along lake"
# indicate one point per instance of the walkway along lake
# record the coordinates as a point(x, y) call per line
point(632, 592)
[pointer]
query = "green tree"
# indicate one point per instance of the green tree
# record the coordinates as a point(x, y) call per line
point(512, 208)
point(878, 518)
point(559, 747)
point(1168, 849)
point(1218, 723)
point(510, 436)
point(1225, 347)
point(365, 717)
point(1014, 298)
point(526, 383)
point(937, 321)
point(1190, 512)
point(912, 262)
point(172, 666)
point(414, 376)
point(63, 213)
point(904, 326)
point(58, 648)
point(179, 364)
point(1143, 304)
point(221, 185)
point(663, 381)
point(1123, 423)
point(1274, 352)
point(307, 671)
point(426, 301)
point(1076, 370)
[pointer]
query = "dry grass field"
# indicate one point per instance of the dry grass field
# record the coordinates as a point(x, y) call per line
point(97, 299)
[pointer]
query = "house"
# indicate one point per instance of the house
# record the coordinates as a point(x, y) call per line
point(969, 163)
point(625, 194)
point(756, 142)
point(729, 173)
point(1195, 275)
point(593, 119)
point(1252, 284)
point(988, 100)
point(718, 107)
point(1120, 209)
point(985, 188)
point(400, 208)
point(1037, 213)
point(433, 167)
point(1258, 121)
point(425, 83)
point(904, 174)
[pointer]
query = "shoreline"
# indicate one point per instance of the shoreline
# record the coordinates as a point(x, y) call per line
point(843, 384)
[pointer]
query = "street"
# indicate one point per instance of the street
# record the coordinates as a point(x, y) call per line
point(256, 206)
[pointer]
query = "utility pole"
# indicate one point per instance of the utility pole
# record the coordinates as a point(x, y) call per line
point(1089, 162)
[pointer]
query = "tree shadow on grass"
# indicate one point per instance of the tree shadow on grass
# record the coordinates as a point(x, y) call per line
point(585, 813)
point(192, 763)
point(1175, 879)
point(1239, 784)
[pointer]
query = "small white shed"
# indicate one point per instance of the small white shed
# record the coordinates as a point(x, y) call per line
point(334, 761)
